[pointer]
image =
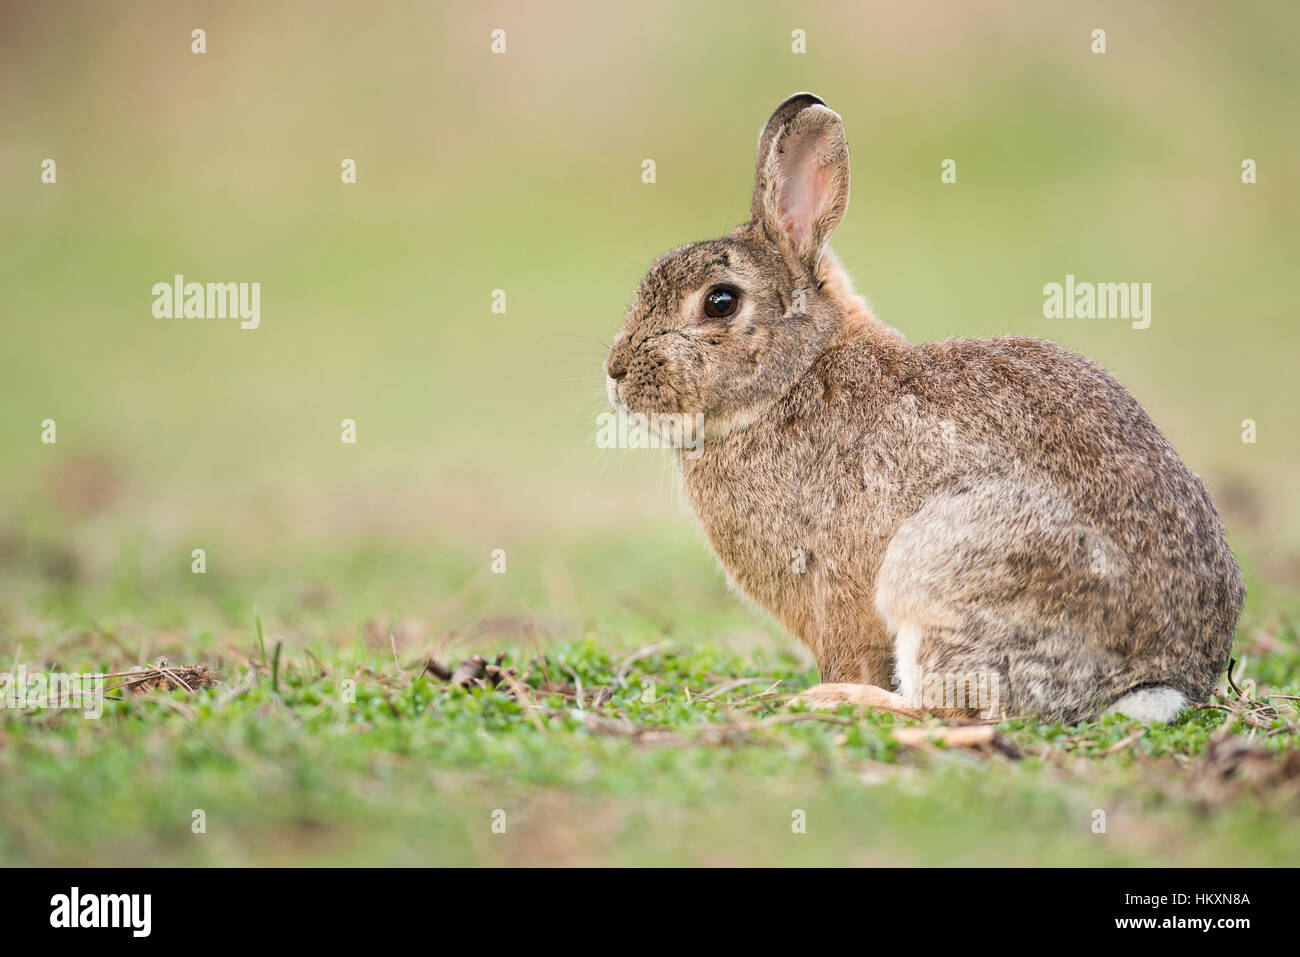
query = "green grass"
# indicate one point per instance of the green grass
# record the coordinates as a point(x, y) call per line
point(291, 764)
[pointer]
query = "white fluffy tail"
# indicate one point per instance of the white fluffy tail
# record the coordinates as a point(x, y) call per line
point(1150, 704)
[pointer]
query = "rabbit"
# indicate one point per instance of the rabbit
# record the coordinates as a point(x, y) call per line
point(998, 517)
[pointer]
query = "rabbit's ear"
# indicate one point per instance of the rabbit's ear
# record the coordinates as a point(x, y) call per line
point(801, 180)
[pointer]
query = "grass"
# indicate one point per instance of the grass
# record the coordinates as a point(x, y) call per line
point(311, 756)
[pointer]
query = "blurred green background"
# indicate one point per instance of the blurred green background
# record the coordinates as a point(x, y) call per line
point(522, 172)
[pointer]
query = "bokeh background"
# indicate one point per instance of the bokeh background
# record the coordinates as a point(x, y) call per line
point(522, 172)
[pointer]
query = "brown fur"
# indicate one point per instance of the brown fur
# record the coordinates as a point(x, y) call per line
point(1003, 504)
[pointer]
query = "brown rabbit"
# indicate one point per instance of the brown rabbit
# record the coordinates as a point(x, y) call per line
point(996, 518)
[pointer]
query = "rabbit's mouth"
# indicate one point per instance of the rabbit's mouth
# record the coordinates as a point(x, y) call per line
point(634, 395)
point(611, 390)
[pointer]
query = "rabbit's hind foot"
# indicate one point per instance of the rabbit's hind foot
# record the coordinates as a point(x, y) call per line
point(832, 695)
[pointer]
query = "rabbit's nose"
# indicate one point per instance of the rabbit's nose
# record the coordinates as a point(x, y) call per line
point(616, 366)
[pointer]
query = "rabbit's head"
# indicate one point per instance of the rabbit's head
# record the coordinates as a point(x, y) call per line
point(724, 328)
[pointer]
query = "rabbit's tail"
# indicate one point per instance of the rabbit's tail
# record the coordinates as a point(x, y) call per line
point(1151, 704)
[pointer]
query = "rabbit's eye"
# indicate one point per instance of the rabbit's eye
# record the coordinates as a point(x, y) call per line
point(721, 303)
